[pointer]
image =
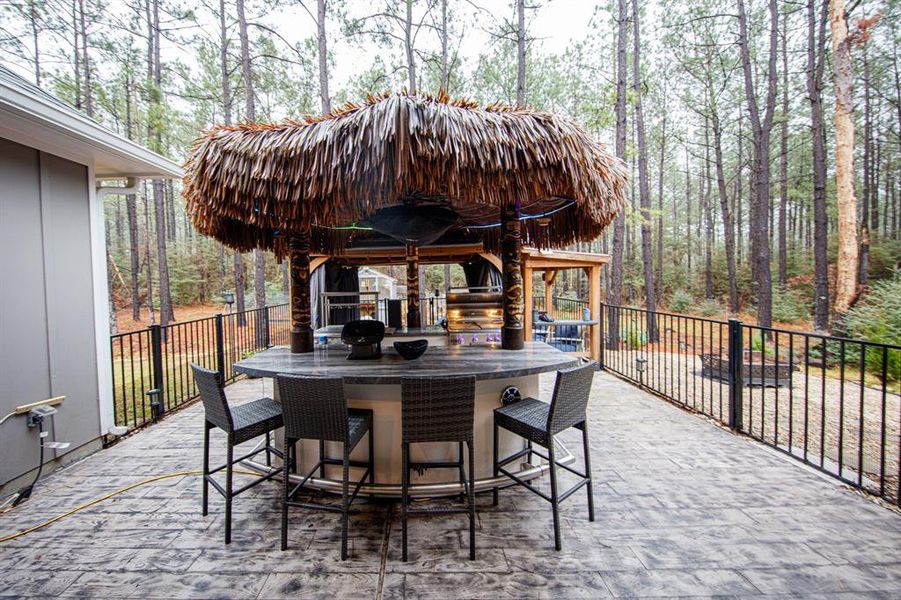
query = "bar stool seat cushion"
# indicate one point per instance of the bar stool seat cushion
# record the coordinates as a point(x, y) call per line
point(256, 418)
point(526, 418)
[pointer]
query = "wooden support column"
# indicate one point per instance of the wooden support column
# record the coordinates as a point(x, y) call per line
point(301, 326)
point(594, 304)
point(527, 303)
point(549, 277)
point(414, 316)
point(512, 335)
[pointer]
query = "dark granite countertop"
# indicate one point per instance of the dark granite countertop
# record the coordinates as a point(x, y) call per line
point(483, 362)
point(334, 331)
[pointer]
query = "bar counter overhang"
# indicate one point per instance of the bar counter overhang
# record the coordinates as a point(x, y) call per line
point(375, 384)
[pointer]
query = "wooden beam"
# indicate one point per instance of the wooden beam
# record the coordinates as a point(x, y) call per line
point(301, 322)
point(493, 259)
point(594, 303)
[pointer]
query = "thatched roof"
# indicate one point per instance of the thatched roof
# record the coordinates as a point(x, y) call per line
point(249, 184)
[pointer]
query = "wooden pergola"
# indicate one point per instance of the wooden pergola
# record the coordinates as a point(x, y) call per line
point(550, 263)
point(547, 262)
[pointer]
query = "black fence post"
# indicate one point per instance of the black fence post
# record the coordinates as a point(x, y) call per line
point(736, 382)
point(267, 334)
point(603, 335)
point(157, 403)
point(220, 347)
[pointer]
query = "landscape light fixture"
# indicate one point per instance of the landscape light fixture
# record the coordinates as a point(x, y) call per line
point(229, 298)
point(639, 366)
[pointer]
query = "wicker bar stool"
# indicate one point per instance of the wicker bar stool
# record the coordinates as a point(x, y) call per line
point(438, 409)
point(315, 408)
point(538, 422)
point(241, 423)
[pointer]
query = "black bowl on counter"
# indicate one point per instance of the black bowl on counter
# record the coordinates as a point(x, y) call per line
point(412, 349)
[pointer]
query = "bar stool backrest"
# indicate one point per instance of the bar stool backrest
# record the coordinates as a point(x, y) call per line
point(313, 408)
point(570, 401)
point(438, 409)
point(212, 394)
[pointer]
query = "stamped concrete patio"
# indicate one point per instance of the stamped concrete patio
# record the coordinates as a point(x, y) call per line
point(684, 509)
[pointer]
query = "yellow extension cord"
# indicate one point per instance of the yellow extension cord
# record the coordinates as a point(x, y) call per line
point(107, 497)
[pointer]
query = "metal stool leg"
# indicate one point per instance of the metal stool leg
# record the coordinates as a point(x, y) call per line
point(228, 490)
point(206, 468)
point(404, 497)
point(344, 503)
point(496, 472)
point(462, 473)
point(287, 488)
point(371, 435)
point(588, 471)
point(554, 498)
point(472, 503)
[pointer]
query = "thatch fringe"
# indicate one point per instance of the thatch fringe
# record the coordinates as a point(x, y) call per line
point(243, 182)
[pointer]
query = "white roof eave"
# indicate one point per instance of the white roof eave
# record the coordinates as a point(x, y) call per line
point(31, 118)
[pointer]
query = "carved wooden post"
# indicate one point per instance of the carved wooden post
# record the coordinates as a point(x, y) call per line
point(301, 326)
point(414, 316)
point(512, 337)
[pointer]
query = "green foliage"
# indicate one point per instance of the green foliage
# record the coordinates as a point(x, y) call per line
point(681, 301)
point(710, 307)
point(878, 319)
point(634, 337)
point(789, 307)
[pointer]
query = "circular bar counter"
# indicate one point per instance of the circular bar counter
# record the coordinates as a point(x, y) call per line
point(375, 384)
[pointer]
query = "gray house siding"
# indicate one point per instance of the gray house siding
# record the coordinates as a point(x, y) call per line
point(47, 329)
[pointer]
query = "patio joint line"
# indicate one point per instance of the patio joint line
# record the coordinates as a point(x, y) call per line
point(383, 551)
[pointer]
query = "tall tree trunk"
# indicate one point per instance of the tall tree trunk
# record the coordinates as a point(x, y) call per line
point(644, 192)
point(739, 195)
point(325, 100)
point(726, 213)
point(445, 67)
point(134, 260)
point(408, 48)
point(240, 286)
point(863, 262)
point(521, 52)
point(708, 217)
point(615, 293)
point(131, 213)
point(85, 62)
point(816, 60)
point(259, 259)
point(148, 258)
point(658, 284)
point(35, 40)
point(783, 163)
point(76, 54)
point(167, 313)
point(846, 264)
point(761, 128)
point(227, 99)
point(689, 248)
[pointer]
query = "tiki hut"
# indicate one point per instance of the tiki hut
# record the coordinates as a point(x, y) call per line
point(415, 168)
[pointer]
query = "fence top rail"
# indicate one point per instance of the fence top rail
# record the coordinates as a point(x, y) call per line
point(811, 334)
point(823, 336)
point(661, 313)
point(192, 321)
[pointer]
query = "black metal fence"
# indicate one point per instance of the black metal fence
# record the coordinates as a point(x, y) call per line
point(431, 309)
point(151, 368)
point(830, 402)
